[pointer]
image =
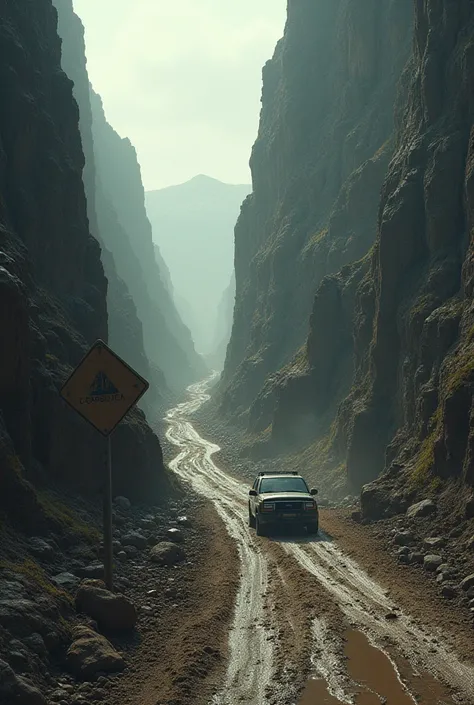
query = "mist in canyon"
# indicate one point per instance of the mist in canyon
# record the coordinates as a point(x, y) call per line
point(281, 191)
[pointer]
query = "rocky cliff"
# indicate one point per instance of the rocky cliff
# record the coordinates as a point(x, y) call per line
point(168, 343)
point(412, 401)
point(125, 328)
point(53, 301)
point(318, 164)
point(223, 329)
point(358, 353)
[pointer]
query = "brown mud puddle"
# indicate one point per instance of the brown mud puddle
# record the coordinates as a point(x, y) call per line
point(376, 681)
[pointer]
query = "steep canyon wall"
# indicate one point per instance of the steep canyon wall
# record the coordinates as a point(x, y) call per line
point(352, 329)
point(53, 302)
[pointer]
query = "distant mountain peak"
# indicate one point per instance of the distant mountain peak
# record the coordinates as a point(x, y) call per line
point(203, 177)
point(201, 181)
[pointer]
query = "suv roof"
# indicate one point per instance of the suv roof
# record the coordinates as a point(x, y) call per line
point(278, 474)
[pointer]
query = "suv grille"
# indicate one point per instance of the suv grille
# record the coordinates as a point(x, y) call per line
point(283, 507)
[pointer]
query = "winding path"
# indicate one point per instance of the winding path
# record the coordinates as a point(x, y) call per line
point(256, 632)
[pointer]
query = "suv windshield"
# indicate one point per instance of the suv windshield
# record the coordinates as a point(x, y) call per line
point(283, 484)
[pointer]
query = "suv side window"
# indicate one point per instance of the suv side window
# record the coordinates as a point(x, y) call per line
point(255, 484)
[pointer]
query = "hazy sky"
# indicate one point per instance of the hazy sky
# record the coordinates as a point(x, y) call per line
point(182, 79)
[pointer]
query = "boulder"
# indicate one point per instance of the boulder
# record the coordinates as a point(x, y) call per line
point(374, 501)
point(35, 642)
point(134, 538)
point(425, 508)
point(167, 553)
point(431, 562)
point(403, 551)
point(113, 612)
point(91, 653)
point(403, 538)
point(95, 571)
point(434, 542)
point(175, 535)
point(41, 549)
point(416, 558)
point(131, 551)
point(467, 583)
point(66, 581)
point(16, 689)
point(449, 591)
point(123, 503)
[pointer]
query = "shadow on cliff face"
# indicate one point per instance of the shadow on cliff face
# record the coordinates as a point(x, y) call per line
point(387, 370)
point(53, 288)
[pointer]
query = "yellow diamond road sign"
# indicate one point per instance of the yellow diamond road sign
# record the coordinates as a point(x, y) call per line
point(103, 388)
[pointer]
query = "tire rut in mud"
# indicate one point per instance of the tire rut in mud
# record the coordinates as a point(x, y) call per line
point(302, 605)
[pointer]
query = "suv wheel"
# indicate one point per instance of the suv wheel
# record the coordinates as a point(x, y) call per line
point(260, 530)
point(251, 519)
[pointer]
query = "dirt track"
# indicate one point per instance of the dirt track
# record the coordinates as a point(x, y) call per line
point(305, 607)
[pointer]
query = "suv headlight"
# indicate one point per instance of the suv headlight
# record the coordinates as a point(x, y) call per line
point(310, 505)
point(268, 507)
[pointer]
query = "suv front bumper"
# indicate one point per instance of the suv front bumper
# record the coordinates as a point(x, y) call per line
point(274, 521)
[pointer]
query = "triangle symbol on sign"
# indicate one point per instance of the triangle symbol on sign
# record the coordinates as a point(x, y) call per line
point(102, 386)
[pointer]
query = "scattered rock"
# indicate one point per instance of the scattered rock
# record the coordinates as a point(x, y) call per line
point(148, 524)
point(432, 562)
point(470, 543)
point(456, 532)
point(356, 516)
point(121, 556)
point(443, 568)
point(425, 508)
point(41, 549)
point(17, 689)
point(95, 571)
point(416, 558)
point(66, 581)
point(134, 538)
point(184, 521)
point(175, 535)
point(123, 503)
point(35, 642)
point(434, 542)
point(167, 553)
point(391, 615)
point(469, 511)
point(467, 583)
point(131, 551)
point(403, 538)
point(449, 591)
point(403, 551)
point(113, 612)
point(90, 653)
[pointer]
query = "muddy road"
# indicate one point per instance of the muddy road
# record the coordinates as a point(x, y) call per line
point(311, 627)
